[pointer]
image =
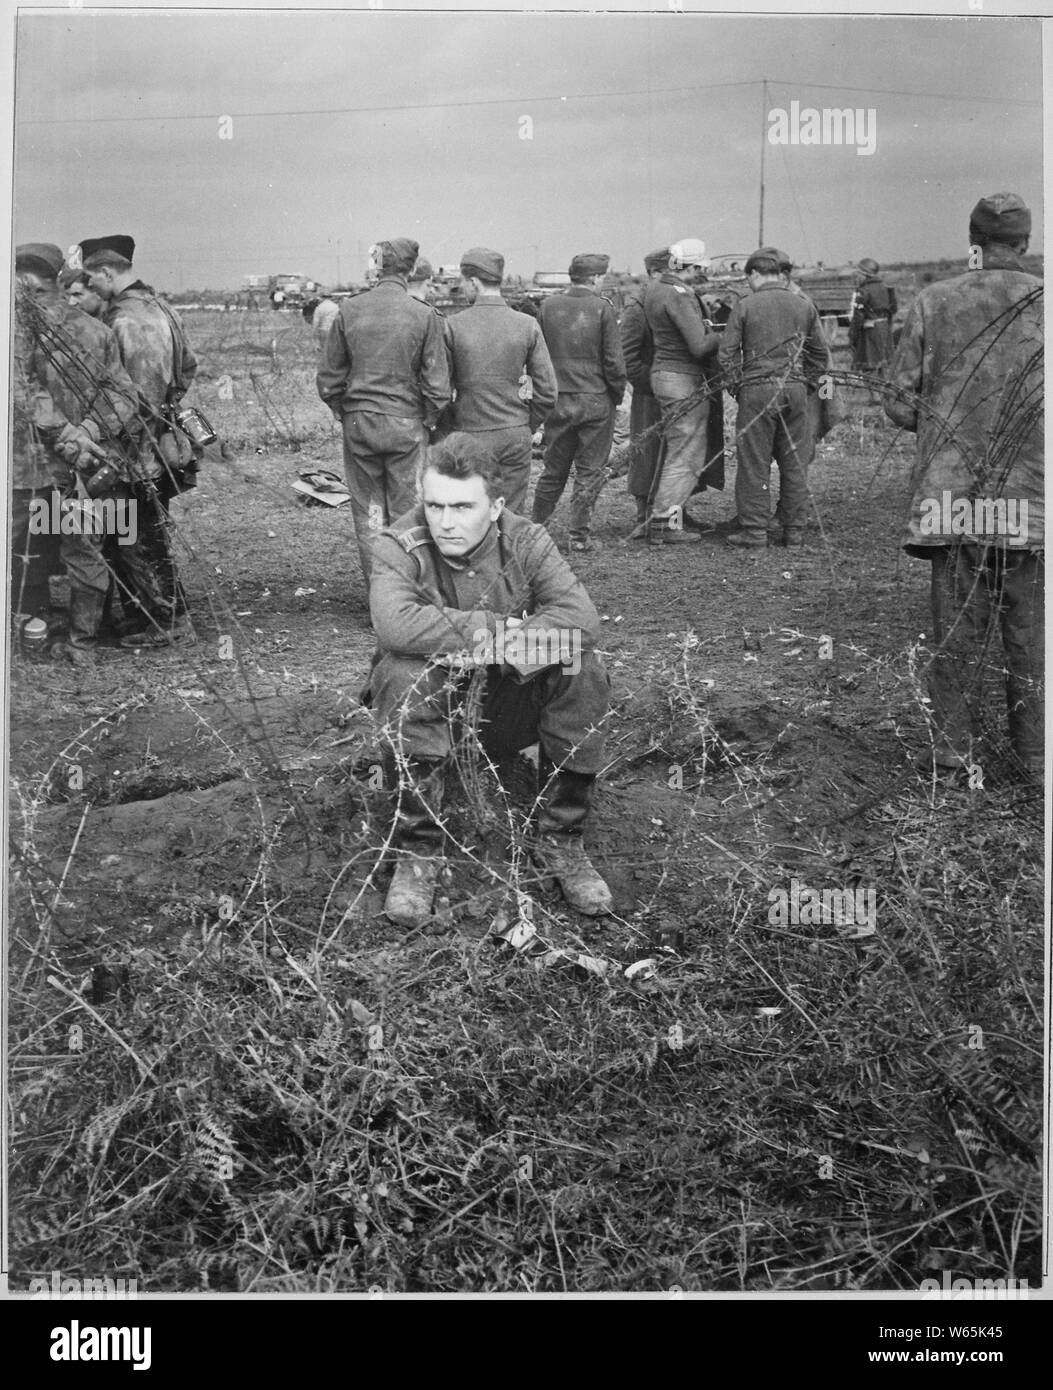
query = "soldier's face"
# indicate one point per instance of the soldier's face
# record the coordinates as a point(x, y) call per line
point(458, 511)
point(100, 282)
point(81, 297)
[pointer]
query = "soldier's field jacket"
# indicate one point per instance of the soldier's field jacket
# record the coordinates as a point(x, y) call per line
point(490, 347)
point(67, 371)
point(385, 353)
point(773, 335)
point(967, 377)
point(155, 355)
point(682, 342)
point(425, 605)
point(581, 330)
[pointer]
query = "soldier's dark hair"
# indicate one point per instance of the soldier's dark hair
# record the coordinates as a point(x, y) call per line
point(465, 456)
point(763, 265)
point(68, 278)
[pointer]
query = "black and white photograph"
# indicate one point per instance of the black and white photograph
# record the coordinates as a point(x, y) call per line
point(524, 678)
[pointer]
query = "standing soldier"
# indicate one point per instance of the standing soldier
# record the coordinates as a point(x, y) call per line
point(967, 378)
point(73, 400)
point(159, 360)
point(873, 309)
point(773, 354)
point(321, 314)
point(501, 373)
point(683, 379)
point(385, 377)
point(645, 415)
point(581, 332)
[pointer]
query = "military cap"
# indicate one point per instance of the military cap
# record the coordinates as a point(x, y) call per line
point(773, 253)
point(767, 260)
point(1003, 216)
point(486, 265)
point(39, 258)
point(589, 263)
point(123, 246)
point(657, 260)
point(422, 270)
point(868, 266)
point(398, 256)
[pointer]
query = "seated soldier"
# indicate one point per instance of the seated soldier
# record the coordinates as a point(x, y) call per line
point(459, 584)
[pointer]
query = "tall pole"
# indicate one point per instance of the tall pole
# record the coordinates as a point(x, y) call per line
point(764, 141)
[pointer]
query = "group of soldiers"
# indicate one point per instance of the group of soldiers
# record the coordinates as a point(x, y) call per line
point(100, 446)
point(470, 594)
point(438, 418)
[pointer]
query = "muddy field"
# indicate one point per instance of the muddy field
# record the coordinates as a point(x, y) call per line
point(230, 1072)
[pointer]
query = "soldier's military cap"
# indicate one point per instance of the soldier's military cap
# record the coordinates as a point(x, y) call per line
point(589, 263)
point(780, 258)
point(767, 260)
point(123, 246)
point(869, 266)
point(485, 264)
point(1004, 216)
point(39, 258)
point(657, 260)
point(422, 270)
point(399, 255)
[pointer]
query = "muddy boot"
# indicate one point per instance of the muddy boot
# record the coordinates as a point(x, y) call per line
point(86, 607)
point(639, 531)
point(418, 840)
point(659, 532)
point(793, 536)
point(558, 849)
point(747, 540)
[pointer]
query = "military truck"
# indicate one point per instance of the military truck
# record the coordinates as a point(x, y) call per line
point(545, 284)
point(291, 291)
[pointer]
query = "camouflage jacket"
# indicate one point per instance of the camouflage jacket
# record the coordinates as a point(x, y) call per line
point(424, 604)
point(67, 370)
point(157, 357)
point(967, 378)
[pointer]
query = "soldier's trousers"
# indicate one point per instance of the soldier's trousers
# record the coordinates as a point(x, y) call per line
point(645, 415)
point(383, 455)
point(511, 451)
point(33, 557)
point(578, 433)
point(144, 570)
point(683, 400)
point(564, 712)
point(772, 424)
point(976, 590)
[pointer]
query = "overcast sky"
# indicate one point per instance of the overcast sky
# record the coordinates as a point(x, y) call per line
point(644, 128)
